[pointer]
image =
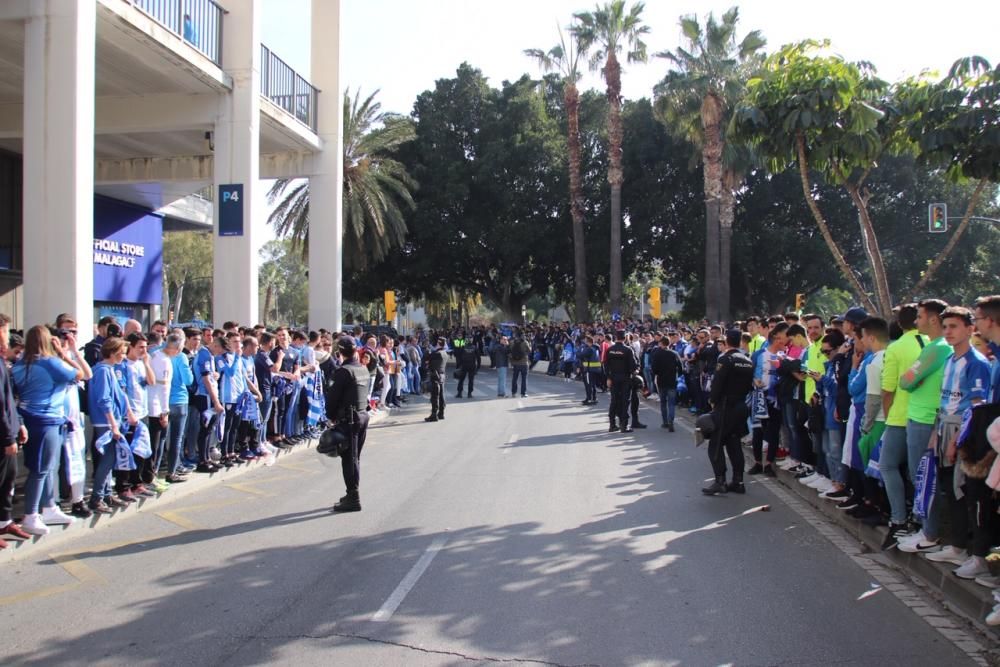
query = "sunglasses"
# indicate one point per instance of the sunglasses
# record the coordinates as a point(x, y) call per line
point(827, 351)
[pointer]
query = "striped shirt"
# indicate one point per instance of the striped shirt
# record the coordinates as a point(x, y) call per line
point(966, 378)
point(231, 381)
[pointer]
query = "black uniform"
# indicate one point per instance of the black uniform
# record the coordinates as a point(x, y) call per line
point(619, 365)
point(347, 407)
point(732, 382)
point(436, 361)
point(466, 363)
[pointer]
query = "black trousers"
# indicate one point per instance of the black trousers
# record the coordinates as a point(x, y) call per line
point(719, 447)
point(8, 475)
point(590, 381)
point(465, 373)
point(620, 396)
point(634, 403)
point(351, 462)
point(437, 395)
point(982, 512)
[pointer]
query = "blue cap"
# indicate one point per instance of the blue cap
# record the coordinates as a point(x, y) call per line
point(856, 315)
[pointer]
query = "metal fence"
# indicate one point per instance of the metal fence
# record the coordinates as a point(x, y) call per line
point(198, 22)
point(286, 88)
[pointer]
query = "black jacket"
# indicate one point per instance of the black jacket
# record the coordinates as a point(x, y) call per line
point(666, 365)
point(349, 393)
point(731, 383)
point(620, 362)
point(10, 423)
point(436, 361)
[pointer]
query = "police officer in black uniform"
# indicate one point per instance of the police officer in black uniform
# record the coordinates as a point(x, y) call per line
point(436, 362)
point(347, 408)
point(732, 382)
point(619, 366)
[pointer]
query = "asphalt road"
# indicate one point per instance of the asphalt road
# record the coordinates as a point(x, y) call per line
point(517, 530)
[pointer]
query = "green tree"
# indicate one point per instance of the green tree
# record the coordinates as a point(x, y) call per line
point(694, 100)
point(377, 187)
point(187, 274)
point(608, 30)
point(813, 108)
point(956, 126)
point(564, 58)
point(283, 283)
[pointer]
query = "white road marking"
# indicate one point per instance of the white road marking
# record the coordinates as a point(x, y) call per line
point(389, 607)
point(510, 444)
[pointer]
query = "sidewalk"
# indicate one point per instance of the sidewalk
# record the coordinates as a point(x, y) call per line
point(18, 549)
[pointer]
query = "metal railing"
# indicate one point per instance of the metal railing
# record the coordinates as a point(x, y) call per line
point(197, 22)
point(286, 88)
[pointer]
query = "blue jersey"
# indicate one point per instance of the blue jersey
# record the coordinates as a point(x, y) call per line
point(232, 382)
point(42, 385)
point(966, 378)
point(204, 366)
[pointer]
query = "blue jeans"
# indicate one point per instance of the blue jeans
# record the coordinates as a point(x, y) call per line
point(266, 405)
point(191, 429)
point(502, 381)
point(668, 402)
point(178, 429)
point(104, 464)
point(41, 457)
point(522, 372)
point(796, 447)
point(890, 464)
point(833, 450)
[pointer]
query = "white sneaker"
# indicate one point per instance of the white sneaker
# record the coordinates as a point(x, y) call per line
point(787, 463)
point(33, 525)
point(948, 554)
point(993, 618)
point(53, 516)
point(809, 479)
point(918, 546)
point(915, 537)
point(820, 484)
point(988, 580)
point(973, 567)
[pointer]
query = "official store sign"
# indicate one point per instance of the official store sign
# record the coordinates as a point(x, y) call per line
point(128, 253)
point(113, 253)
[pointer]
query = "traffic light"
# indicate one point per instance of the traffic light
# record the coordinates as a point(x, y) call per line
point(654, 302)
point(937, 218)
point(800, 302)
point(390, 305)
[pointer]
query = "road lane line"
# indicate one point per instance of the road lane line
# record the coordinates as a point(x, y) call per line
point(510, 443)
point(389, 607)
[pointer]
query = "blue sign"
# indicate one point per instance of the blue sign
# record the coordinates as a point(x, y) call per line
point(231, 210)
point(128, 253)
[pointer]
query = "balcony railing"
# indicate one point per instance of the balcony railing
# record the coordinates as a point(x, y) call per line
point(198, 22)
point(286, 88)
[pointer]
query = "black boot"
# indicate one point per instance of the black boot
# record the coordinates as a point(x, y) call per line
point(612, 428)
point(718, 487)
point(736, 487)
point(349, 503)
point(670, 427)
point(432, 418)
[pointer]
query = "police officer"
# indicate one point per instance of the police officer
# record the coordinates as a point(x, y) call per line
point(590, 365)
point(732, 382)
point(347, 408)
point(620, 365)
point(466, 361)
point(436, 362)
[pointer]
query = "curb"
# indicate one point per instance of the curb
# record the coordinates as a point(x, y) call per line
point(966, 597)
point(61, 535)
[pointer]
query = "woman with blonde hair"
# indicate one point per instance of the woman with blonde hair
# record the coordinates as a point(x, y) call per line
point(41, 378)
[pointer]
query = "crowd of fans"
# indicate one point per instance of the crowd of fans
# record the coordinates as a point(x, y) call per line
point(896, 421)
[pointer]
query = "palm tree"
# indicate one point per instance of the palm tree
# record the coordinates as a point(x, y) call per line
point(609, 29)
point(565, 59)
point(693, 100)
point(375, 184)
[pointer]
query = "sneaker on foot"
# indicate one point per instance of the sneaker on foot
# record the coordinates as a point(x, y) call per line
point(920, 546)
point(53, 516)
point(848, 503)
point(948, 554)
point(755, 469)
point(769, 471)
point(14, 530)
point(891, 537)
point(988, 580)
point(974, 566)
point(836, 494)
point(80, 511)
point(993, 618)
point(33, 525)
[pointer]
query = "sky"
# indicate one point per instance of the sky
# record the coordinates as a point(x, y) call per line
point(401, 47)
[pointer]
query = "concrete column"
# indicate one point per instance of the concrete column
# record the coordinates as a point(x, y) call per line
point(59, 162)
point(326, 224)
point(237, 160)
